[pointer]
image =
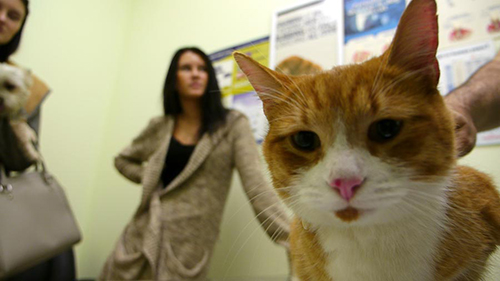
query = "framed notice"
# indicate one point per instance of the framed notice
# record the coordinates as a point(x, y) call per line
point(237, 93)
point(369, 26)
point(457, 65)
point(306, 35)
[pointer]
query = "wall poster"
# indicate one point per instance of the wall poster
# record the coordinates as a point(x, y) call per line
point(305, 37)
point(369, 26)
point(237, 92)
point(316, 35)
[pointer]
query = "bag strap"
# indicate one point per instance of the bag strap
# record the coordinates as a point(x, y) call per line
point(40, 167)
point(7, 187)
point(47, 177)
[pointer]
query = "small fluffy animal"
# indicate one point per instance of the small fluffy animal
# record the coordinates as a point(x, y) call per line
point(15, 86)
point(364, 156)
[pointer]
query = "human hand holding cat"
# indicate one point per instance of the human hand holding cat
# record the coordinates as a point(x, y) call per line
point(465, 131)
point(476, 105)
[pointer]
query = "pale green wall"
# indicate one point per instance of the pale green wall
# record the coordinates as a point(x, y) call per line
point(106, 62)
point(77, 48)
point(157, 30)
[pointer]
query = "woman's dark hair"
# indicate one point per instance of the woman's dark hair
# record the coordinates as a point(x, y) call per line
point(213, 112)
point(9, 48)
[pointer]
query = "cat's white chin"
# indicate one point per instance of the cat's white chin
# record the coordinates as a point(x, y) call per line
point(340, 218)
point(350, 216)
point(367, 211)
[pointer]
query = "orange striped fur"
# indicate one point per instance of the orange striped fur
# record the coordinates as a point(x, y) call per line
point(411, 214)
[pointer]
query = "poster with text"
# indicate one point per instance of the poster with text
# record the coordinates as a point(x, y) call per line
point(469, 37)
point(305, 38)
point(457, 65)
point(369, 26)
point(464, 22)
point(237, 93)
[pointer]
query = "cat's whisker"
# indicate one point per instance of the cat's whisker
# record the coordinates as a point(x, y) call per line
point(380, 198)
point(279, 93)
point(252, 199)
point(243, 231)
point(281, 97)
point(437, 199)
point(403, 77)
point(427, 178)
point(427, 197)
point(413, 209)
point(311, 193)
point(298, 88)
point(384, 62)
point(248, 238)
point(273, 237)
point(279, 119)
point(430, 211)
point(298, 206)
point(382, 66)
point(446, 223)
point(305, 201)
point(421, 210)
point(303, 101)
point(292, 200)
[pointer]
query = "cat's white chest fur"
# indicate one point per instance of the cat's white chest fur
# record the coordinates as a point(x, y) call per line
point(402, 251)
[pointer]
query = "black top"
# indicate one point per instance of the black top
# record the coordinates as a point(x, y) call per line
point(177, 158)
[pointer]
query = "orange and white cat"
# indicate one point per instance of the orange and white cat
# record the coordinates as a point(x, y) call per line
point(364, 155)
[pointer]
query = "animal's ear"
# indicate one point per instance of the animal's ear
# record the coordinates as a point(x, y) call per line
point(415, 44)
point(266, 82)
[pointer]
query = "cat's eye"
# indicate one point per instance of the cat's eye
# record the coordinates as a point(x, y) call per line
point(384, 130)
point(306, 141)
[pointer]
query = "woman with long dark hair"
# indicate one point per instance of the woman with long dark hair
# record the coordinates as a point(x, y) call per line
point(184, 161)
point(13, 16)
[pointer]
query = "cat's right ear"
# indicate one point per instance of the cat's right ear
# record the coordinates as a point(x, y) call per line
point(416, 40)
point(266, 82)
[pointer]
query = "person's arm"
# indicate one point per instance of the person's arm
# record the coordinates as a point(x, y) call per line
point(131, 161)
point(264, 200)
point(476, 105)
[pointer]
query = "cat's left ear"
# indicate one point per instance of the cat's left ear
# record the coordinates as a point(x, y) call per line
point(265, 81)
point(415, 44)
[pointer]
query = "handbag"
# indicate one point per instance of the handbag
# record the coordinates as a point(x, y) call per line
point(36, 221)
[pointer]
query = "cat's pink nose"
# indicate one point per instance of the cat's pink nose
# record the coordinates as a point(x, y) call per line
point(346, 187)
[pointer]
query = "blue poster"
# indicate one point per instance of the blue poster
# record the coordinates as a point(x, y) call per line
point(370, 17)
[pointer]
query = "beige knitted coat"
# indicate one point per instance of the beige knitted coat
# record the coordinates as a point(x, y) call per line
point(173, 233)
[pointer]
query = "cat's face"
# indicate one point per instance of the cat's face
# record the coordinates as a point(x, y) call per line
point(354, 145)
point(361, 144)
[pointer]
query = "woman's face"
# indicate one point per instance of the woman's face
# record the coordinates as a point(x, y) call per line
point(192, 76)
point(12, 13)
